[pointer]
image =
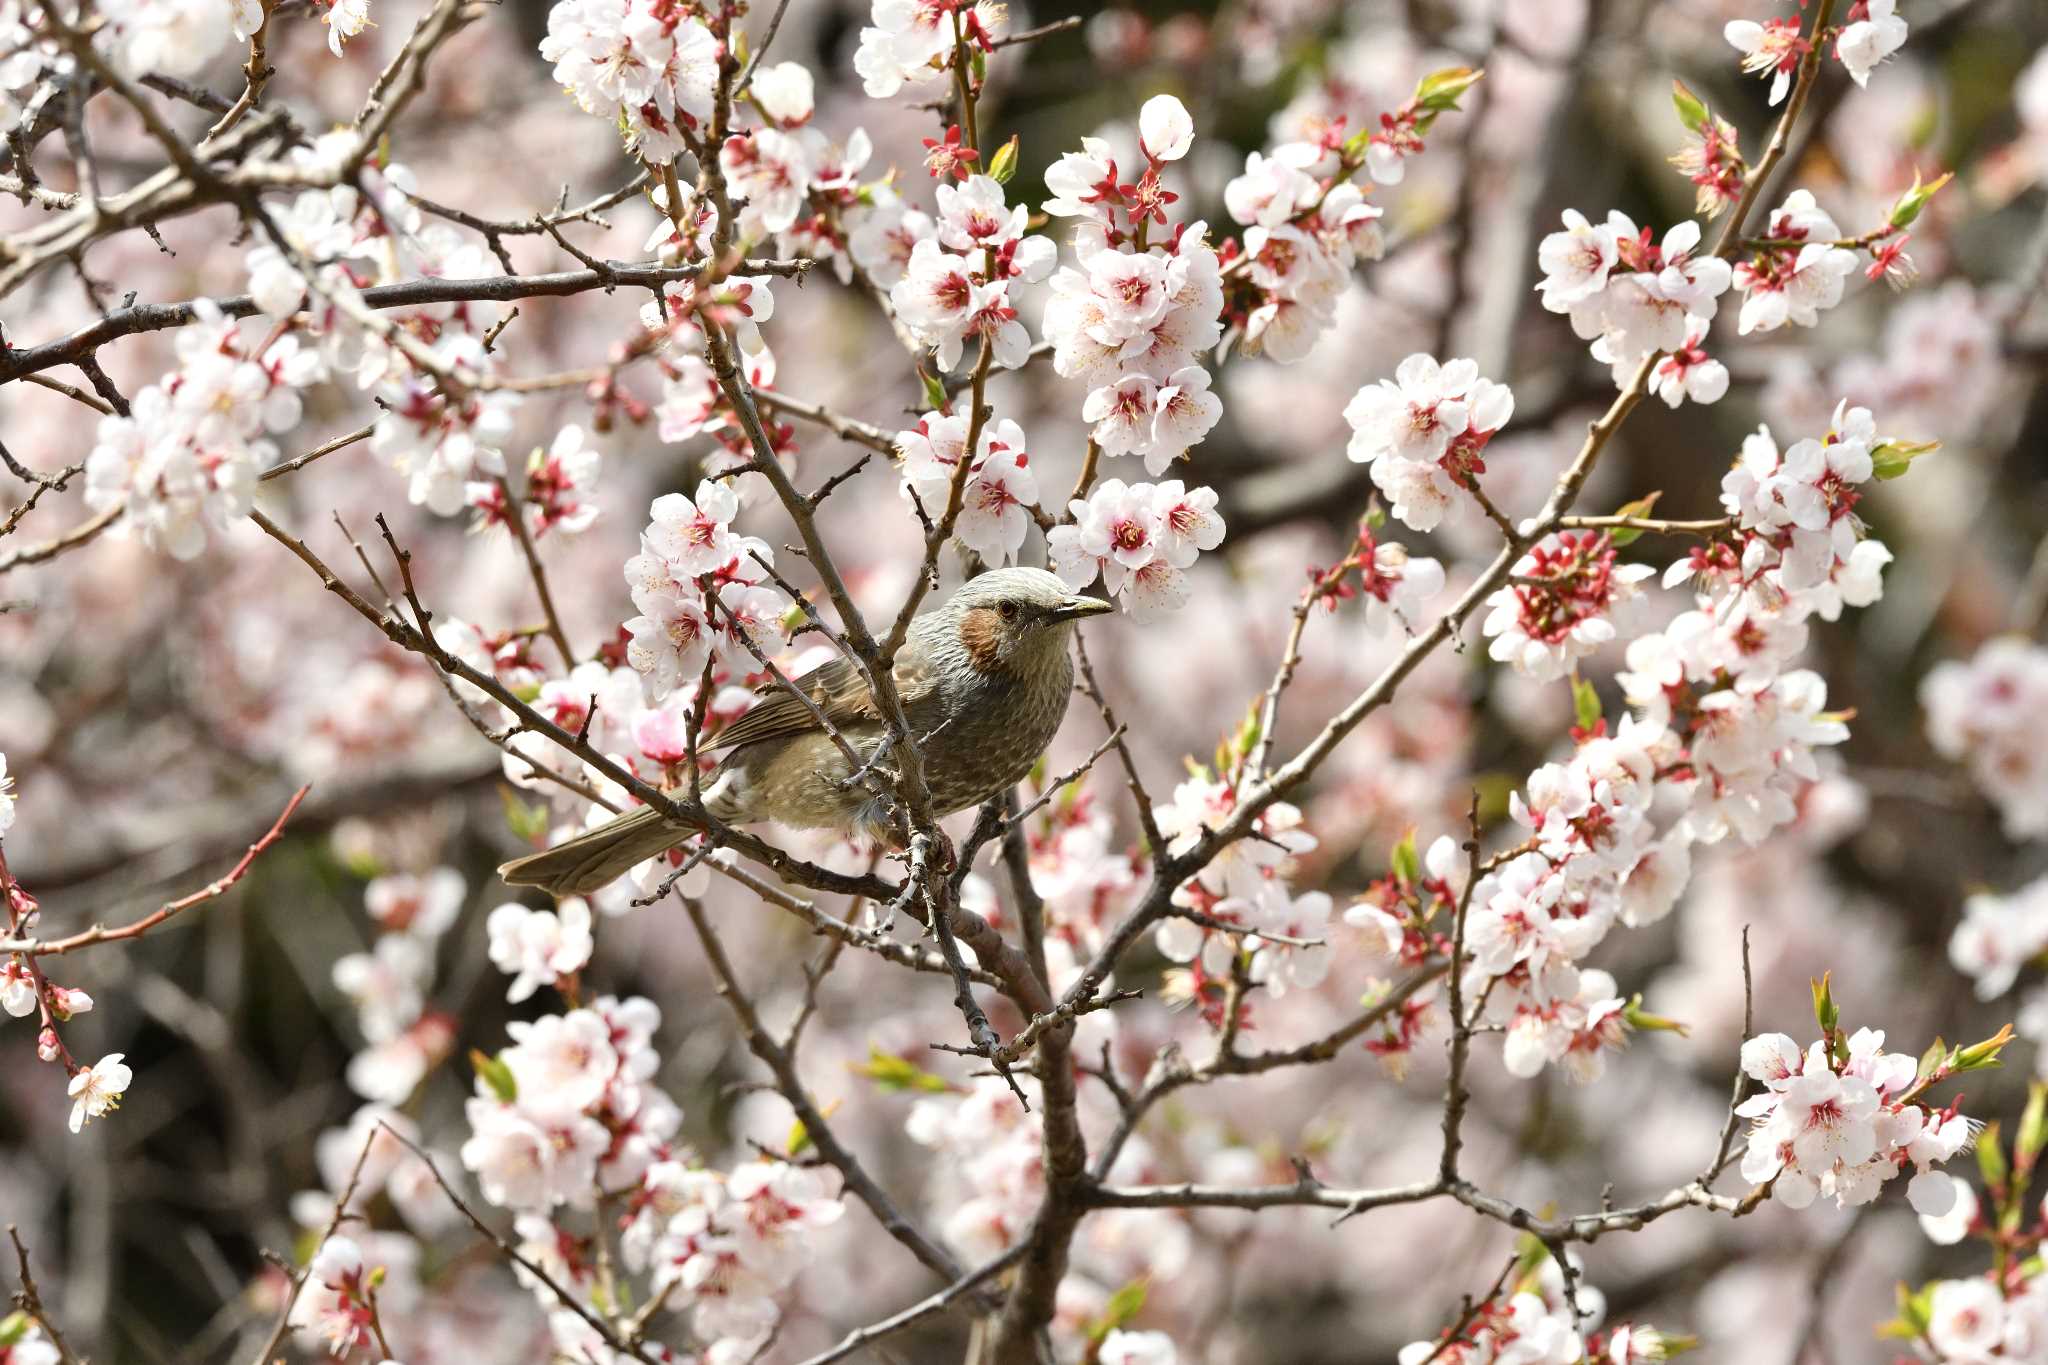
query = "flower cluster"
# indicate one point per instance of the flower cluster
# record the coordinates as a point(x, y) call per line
point(642, 65)
point(693, 402)
point(1393, 584)
point(188, 456)
point(697, 586)
point(1425, 433)
point(94, 1090)
point(1306, 220)
point(1632, 298)
point(1534, 1320)
point(1842, 1118)
point(1000, 492)
point(1139, 538)
point(1982, 712)
point(441, 425)
point(990, 1147)
point(390, 984)
point(1086, 878)
point(1974, 1321)
point(913, 42)
point(2001, 1314)
point(1241, 909)
point(338, 1304)
point(790, 180)
point(1712, 160)
point(1306, 225)
point(174, 37)
point(1998, 936)
point(728, 1243)
point(560, 492)
point(1776, 47)
point(539, 947)
point(1130, 323)
point(1721, 722)
point(1795, 271)
point(569, 1112)
point(957, 282)
point(1561, 602)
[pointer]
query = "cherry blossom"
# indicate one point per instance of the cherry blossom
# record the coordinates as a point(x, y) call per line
point(538, 947)
point(1800, 273)
point(1395, 586)
point(1562, 604)
point(186, 460)
point(1874, 33)
point(1773, 47)
point(1424, 432)
point(96, 1090)
point(912, 41)
point(635, 63)
point(1841, 1126)
point(1138, 538)
point(1000, 485)
point(1982, 713)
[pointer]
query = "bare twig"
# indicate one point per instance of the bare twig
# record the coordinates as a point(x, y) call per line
point(136, 929)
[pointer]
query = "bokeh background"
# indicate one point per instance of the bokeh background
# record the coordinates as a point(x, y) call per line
point(156, 715)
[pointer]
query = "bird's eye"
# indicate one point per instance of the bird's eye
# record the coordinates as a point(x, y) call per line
point(1009, 611)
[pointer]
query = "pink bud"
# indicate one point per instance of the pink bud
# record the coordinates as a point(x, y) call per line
point(47, 1046)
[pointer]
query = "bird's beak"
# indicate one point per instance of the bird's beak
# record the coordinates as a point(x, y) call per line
point(1074, 608)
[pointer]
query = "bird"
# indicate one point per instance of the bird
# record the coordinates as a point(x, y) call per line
point(984, 679)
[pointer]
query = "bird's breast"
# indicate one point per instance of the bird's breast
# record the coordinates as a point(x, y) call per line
point(996, 732)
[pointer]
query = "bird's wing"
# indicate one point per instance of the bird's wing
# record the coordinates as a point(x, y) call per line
point(836, 689)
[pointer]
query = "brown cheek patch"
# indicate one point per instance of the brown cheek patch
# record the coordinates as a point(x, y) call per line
point(981, 635)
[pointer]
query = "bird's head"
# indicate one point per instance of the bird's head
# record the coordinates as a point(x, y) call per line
point(1012, 619)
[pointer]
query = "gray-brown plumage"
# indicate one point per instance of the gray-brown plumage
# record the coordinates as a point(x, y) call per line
point(984, 681)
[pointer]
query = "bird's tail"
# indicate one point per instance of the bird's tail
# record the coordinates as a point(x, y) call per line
point(578, 866)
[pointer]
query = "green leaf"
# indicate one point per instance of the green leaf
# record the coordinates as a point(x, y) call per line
point(1825, 1012)
point(1984, 1055)
point(799, 1140)
point(1692, 110)
point(1249, 733)
point(1439, 91)
point(1932, 1060)
point(1639, 509)
point(1406, 863)
point(1909, 204)
point(2033, 1130)
point(1123, 1305)
point(1002, 167)
point(1916, 1314)
point(13, 1328)
point(934, 390)
point(895, 1074)
point(1586, 712)
point(1893, 458)
point(495, 1075)
point(1639, 1018)
point(527, 820)
point(1991, 1156)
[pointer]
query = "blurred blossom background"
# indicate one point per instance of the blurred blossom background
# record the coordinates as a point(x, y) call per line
point(155, 714)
